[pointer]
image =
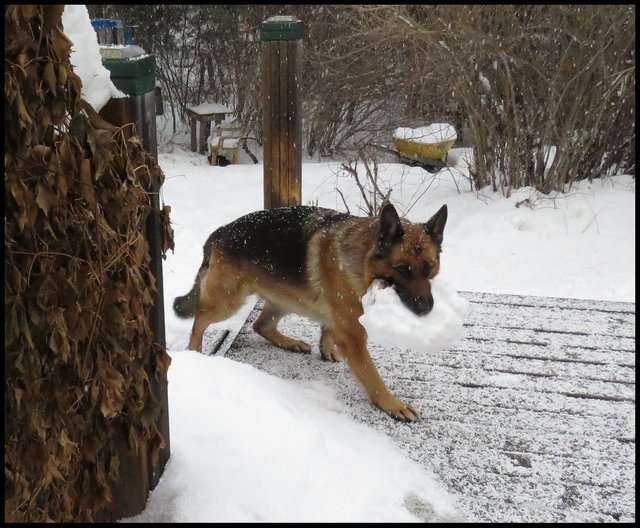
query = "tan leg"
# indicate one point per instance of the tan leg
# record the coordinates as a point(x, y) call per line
point(200, 324)
point(352, 341)
point(267, 326)
point(209, 315)
point(329, 351)
point(221, 295)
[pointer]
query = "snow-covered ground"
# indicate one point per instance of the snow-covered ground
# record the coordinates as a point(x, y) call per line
point(247, 446)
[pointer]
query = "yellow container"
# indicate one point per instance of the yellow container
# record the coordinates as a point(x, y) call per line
point(430, 142)
point(423, 150)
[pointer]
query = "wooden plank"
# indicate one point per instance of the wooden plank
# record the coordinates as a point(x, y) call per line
point(525, 418)
point(275, 169)
point(205, 131)
point(294, 117)
point(534, 365)
point(554, 318)
point(282, 135)
point(550, 302)
point(265, 62)
point(510, 337)
point(570, 354)
point(490, 386)
point(130, 492)
point(514, 498)
point(202, 139)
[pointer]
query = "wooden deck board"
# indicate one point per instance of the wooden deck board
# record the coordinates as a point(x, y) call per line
point(530, 417)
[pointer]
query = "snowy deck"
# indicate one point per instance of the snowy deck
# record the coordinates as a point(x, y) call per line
point(529, 418)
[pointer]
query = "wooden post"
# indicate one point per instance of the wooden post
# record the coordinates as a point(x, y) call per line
point(206, 132)
point(193, 123)
point(204, 127)
point(281, 38)
point(138, 475)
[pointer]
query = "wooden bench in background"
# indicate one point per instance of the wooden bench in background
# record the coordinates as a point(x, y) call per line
point(200, 118)
point(225, 140)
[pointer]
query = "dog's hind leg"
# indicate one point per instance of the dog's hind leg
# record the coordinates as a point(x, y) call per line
point(211, 313)
point(221, 295)
point(267, 326)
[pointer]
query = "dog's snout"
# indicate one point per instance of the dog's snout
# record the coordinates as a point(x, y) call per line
point(422, 305)
point(418, 304)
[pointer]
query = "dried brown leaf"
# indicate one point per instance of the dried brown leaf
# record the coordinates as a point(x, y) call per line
point(102, 145)
point(45, 198)
point(151, 411)
point(47, 293)
point(112, 395)
point(63, 74)
point(49, 77)
point(23, 114)
point(87, 190)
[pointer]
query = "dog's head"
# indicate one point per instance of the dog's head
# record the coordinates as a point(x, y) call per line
point(408, 256)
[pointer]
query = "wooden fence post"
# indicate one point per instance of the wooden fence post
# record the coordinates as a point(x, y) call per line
point(281, 38)
point(138, 475)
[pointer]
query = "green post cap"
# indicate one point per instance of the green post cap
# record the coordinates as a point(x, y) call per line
point(134, 76)
point(281, 28)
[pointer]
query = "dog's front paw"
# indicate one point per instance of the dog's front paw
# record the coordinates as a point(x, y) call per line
point(330, 355)
point(398, 409)
point(329, 351)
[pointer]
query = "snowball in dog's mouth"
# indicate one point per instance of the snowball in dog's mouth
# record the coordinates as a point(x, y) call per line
point(389, 322)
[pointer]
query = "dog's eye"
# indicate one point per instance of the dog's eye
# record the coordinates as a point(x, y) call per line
point(426, 269)
point(403, 270)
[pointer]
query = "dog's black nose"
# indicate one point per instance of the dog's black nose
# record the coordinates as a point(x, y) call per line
point(422, 305)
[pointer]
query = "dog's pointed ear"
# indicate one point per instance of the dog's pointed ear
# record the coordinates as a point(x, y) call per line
point(390, 228)
point(435, 226)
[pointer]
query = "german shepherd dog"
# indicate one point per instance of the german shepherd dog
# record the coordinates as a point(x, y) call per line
point(317, 263)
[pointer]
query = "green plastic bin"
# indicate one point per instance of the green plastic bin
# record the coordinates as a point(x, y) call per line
point(134, 76)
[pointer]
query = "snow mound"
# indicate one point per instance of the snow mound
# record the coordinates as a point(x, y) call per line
point(436, 133)
point(97, 87)
point(388, 322)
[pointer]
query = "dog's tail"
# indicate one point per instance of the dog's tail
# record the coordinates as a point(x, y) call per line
point(186, 306)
